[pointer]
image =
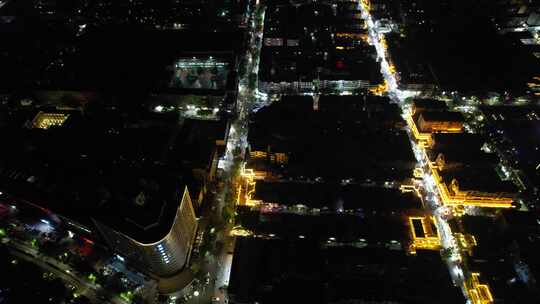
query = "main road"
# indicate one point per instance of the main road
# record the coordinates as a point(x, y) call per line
point(219, 264)
point(429, 191)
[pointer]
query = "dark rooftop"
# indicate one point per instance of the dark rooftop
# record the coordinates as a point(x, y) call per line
point(459, 42)
point(464, 148)
point(469, 157)
point(143, 208)
point(452, 140)
point(479, 179)
point(196, 142)
point(271, 271)
point(372, 227)
point(349, 197)
point(430, 104)
point(339, 139)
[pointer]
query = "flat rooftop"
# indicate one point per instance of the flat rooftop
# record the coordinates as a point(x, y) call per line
point(195, 145)
point(479, 179)
point(467, 156)
point(370, 111)
point(272, 271)
point(430, 104)
point(371, 227)
point(142, 207)
point(297, 36)
point(453, 140)
point(335, 197)
point(465, 51)
point(351, 145)
point(465, 148)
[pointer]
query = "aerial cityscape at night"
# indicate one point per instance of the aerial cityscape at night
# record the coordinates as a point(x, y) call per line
point(270, 151)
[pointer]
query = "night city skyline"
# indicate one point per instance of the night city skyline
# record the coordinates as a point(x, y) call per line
point(270, 151)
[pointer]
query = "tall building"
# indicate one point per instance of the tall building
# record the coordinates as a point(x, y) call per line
point(155, 235)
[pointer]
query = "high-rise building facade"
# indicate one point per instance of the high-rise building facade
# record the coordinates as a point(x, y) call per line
point(162, 255)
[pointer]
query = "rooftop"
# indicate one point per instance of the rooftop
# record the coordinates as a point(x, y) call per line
point(430, 104)
point(462, 148)
point(442, 116)
point(444, 141)
point(302, 271)
point(479, 179)
point(335, 136)
point(373, 228)
point(142, 207)
point(462, 37)
point(469, 157)
point(195, 145)
point(329, 43)
point(349, 197)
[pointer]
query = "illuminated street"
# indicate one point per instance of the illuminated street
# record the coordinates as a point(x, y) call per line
point(448, 242)
point(262, 152)
point(219, 265)
point(247, 91)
